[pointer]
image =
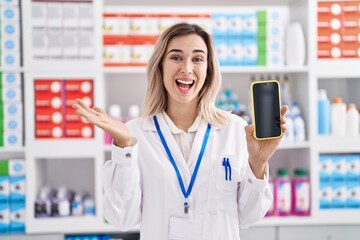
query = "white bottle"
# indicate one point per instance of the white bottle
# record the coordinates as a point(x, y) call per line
point(299, 124)
point(338, 117)
point(352, 120)
point(290, 134)
point(134, 111)
point(294, 45)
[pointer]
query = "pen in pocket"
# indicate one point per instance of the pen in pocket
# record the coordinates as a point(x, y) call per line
point(227, 168)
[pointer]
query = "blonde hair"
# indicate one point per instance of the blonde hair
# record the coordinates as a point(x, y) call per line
point(156, 96)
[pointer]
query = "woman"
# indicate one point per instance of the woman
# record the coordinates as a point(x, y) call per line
point(185, 170)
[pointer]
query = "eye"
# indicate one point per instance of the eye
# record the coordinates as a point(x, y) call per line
point(175, 57)
point(198, 59)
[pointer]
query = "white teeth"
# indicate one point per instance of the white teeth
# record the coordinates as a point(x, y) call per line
point(185, 82)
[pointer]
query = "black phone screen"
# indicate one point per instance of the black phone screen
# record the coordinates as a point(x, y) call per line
point(266, 107)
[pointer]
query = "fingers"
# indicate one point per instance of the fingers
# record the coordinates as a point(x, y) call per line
point(283, 110)
point(249, 130)
point(100, 110)
point(86, 107)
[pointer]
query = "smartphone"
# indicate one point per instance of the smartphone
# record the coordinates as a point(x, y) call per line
point(265, 98)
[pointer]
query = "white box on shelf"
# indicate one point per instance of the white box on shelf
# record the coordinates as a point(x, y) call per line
point(17, 167)
point(39, 45)
point(71, 45)
point(9, 2)
point(116, 26)
point(13, 124)
point(10, 59)
point(10, 44)
point(55, 45)
point(70, 15)
point(9, 14)
point(38, 14)
point(9, 79)
point(86, 15)
point(13, 139)
point(17, 217)
point(86, 44)
point(54, 15)
point(11, 94)
point(11, 109)
point(10, 30)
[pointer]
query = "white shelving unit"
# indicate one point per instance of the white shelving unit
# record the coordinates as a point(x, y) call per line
point(112, 84)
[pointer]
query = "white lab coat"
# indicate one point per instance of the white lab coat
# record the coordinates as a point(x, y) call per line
point(140, 185)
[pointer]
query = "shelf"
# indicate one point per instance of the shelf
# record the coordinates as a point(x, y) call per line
point(286, 221)
point(240, 69)
point(294, 145)
point(338, 144)
point(344, 68)
point(13, 69)
point(65, 148)
point(63, 225)
point(11, 150)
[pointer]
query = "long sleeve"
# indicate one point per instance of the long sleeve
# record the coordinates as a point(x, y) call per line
point(254, 195)
point(122, 190)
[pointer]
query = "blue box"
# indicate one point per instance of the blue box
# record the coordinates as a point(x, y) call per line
point(325, 195)
point(339, 195)
point(4, 190)
point(4, 219)
point(325, 168)
point(353, 168)
point(339, 167)
point(17, 189)
point(17, 217)
point(353, 194)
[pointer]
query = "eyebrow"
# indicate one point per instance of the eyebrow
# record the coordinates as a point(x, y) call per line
point(179, 50)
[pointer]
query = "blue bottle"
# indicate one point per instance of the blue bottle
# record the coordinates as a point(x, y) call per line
point(324, 113)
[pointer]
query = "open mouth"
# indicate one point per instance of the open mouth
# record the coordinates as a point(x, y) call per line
point(184, 85)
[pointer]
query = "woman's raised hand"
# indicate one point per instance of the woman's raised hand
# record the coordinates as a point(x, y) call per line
point(97, 116)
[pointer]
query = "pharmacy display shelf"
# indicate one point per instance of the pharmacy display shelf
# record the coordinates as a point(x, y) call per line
point(338, 144)
point(344, 68)
point(294, 145)
point(11, 150)
point(84, 224)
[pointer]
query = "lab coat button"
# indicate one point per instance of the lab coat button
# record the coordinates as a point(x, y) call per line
point(250, 180)
point(128, 155)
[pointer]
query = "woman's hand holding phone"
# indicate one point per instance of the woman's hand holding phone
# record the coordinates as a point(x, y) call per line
point(98, 117)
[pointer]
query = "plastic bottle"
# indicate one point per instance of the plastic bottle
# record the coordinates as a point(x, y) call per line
point(299, 124)
point(270, 212)
point(301, 193)
point(294, 45)
point(290, 133)
point(352, 120)
point(324, 113)
point(134, 112)
point(338, 117)
point(43, 203)
point(114, 112)
point(285, 91)
point(282, 188)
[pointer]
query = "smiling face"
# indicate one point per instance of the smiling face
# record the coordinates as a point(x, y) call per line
point(184, 69)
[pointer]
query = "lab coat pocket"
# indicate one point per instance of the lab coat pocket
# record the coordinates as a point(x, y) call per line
point(223, 187)
point(185, 228)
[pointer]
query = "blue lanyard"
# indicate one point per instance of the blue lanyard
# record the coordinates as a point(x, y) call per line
point(188, 192)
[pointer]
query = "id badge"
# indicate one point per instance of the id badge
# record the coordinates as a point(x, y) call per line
point(185, 227)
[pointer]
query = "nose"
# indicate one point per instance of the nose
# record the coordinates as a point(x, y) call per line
point(187, 67)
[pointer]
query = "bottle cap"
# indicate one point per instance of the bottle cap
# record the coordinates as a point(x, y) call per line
point(322, 94)
point(115, 111)
point(300, 172)
point(134, 111)
point(337, 100)
point(351, 106)
point(283, 172)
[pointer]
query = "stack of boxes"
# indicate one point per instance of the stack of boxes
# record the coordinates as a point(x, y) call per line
point(129, 39)
point(54, 115)
point(339, 178)
point(62, 30)
point(12, 196)
point(339, 29)
point(10, 34)
point(11, 117)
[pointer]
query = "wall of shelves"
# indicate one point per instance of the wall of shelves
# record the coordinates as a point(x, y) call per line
point(112, 85)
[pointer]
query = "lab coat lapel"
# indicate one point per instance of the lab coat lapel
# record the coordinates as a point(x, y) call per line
point(197, 144)
point(174, 148)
